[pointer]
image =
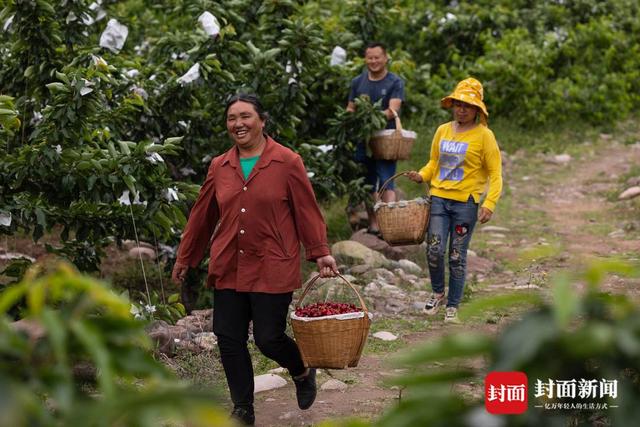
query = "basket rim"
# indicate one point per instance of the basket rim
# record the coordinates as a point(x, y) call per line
point(313, 280)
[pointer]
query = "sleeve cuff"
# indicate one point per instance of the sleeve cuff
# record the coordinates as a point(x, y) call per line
point(317, 251)
point(489, 205)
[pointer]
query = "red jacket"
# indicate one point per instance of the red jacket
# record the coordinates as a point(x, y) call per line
point(261, 222)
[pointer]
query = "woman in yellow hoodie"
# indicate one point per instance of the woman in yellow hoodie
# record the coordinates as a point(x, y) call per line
point(464, 157)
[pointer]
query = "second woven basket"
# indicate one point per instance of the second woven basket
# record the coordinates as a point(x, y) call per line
point(404, 222)
point(392, 144)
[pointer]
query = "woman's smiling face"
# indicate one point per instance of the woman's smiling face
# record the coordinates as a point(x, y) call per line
point(244, 125)
point(464, 113)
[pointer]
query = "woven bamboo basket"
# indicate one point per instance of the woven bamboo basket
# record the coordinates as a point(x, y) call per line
point(394, 146)
point(404, 222)
point(329, 342)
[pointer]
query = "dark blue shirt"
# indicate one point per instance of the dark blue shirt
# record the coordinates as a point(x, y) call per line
point(391, 86)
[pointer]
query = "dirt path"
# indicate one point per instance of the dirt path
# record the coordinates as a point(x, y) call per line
point(565, 206)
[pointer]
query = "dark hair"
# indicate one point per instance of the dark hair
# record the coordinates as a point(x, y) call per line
point(251, 99)
point(371, 45)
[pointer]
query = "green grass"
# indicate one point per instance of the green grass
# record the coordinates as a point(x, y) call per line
point(398, 327)
point(335, 216)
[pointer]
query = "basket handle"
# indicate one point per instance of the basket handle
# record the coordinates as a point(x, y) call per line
point(315, 278)
point(397, 119)
point(384, 186)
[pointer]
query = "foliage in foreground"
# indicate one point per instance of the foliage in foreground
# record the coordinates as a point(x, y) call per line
point(86, 360)
point(590, 336)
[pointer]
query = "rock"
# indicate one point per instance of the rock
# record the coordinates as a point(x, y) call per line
point(630, 193)
point(206, 340)
point(359, 269)
point(279, 370)
point(385, 336)
point(145, 253)
point(605, 136)
point(395, 307)
point(196, 323)
point(617, 233)
point(167, 337)
point(418, 306)
point(633, 181)
point(377, 244)
point(268, 382)
point(560, 159)
point(410, 267)
point(333, 384)
point(130, 244)
point(380, 273)
point(406, 277)
point(350, 252)
point(495, 242)
point(372, 288)
point(497, 235)
point(477, 264)
point(14, 255)
point(494, 229)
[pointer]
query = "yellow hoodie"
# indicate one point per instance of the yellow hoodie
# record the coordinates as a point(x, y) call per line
point(461, 163)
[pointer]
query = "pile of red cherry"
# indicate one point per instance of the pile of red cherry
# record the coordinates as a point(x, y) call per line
point(319, 309)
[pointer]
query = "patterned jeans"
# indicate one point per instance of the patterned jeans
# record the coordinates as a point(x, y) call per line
point(451, 222)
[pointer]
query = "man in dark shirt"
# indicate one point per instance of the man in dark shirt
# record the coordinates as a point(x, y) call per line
point(379, 84)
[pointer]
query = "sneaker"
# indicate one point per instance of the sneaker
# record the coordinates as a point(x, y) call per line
point(433, 303)
point(451, 315)
point(243, 415)
point(306, 389)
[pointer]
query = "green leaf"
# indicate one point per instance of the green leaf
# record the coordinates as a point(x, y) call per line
point(130, 181)
point(566, 302)
point(63, 77)
point(57, 87)
point(41, 218)
point(124, 148)
point(112, 149)
point(174, 140)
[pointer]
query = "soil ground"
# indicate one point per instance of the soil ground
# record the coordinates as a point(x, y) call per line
point(562, 214)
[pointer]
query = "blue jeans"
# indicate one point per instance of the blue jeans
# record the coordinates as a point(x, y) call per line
point(451, 222)
point(378, 171)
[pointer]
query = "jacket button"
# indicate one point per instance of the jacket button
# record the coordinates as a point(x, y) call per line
point(243, 210)
point(244, 188)
point(241, 251)
point(241, 231)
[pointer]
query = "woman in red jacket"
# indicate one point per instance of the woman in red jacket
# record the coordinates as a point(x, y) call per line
point(258, 206)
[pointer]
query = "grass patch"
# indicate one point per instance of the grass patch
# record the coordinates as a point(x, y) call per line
point(201, 369)
point(338, 227)
point(398, 327)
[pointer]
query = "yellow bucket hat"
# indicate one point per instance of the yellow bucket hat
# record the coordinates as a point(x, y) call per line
point(470, 91)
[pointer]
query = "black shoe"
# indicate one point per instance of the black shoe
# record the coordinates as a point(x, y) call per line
point(244, 415)
point(306, 389)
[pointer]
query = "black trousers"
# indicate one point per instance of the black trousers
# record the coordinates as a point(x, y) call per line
point(232, 312)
